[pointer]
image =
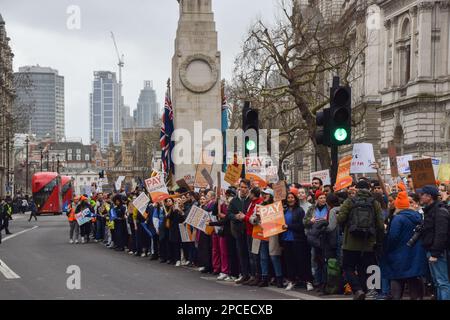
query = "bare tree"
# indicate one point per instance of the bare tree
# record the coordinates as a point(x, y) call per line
point(285, 70)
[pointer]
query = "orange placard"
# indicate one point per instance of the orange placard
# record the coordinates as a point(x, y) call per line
point(258, 233)
point(343, 179)
point(272, 219)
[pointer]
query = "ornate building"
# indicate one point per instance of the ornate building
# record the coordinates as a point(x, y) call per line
point(416, 78)
point(7, 95)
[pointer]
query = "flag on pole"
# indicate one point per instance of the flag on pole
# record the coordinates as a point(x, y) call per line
point(167, 128)
point(225, 125)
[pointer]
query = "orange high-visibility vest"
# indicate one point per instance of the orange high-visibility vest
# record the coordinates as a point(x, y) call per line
point(71, 215)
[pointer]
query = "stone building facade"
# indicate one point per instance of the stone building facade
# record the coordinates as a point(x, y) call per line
point(416, 78)
point(7, 96)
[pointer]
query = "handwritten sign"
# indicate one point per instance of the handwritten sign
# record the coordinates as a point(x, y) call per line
point(234, 172)
point(362, 158)
point(422, 172)
point(403, 164)
point(280, 191)
point(197, 218)
point(392, 153)
point(323, 175)
point(157, 189)
point(272, 219)
point(141, 202)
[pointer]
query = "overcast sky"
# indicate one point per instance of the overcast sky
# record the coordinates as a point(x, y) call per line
point(145, 32)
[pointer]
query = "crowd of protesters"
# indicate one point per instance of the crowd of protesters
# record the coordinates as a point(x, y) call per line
point(333, 241)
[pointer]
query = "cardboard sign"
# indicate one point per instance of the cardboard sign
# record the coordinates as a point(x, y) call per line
point(255, 171)
point(197, 218)
point(141, 203)
point(186, 233)
point(280, 191)
point(272, 174)
point(392, 153)
point(436, 163)
point(403, 164)
point(343, 179)
point(199, 180)
point(223, 186)
point(422, 173)
point(362, 158)
point(208, 178)
point(323, 175)
point(83, 217)
point(183, 184)
point(272, 219)
point(233, 174)
point(157, 189)
point(444, 172)
point(189, 178)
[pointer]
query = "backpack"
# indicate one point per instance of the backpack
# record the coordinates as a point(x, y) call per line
point(362, 222)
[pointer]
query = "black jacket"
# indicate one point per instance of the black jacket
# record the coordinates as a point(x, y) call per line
point(296, 226)
point(236, 205)
point(175, 217)
point(435, 234)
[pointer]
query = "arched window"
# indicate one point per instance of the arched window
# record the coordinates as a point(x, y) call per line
point(405, 52)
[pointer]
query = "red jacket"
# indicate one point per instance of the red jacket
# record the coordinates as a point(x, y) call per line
point(250, 211)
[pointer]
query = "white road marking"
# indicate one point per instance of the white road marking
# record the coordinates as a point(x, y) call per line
point(19, 233)
point(7, 272)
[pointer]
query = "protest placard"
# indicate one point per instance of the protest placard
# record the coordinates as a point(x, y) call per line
point(272, 219)
point(323, 175)
point(157, 189)
point(272, 174)
point(422, 172)
point(279, 190)
point(444, 173)
point(392, 153)
point(343, 179)
point(118, 183)
point(199, 180)
point(255, 171)
point(186, 233)
point(206, 174)
point(183, 184)
point(83, 217)
point(141, 202)
point(436, 163)
point(403, 164)
point(197, 218)
point(233, 174)
point(362, 158)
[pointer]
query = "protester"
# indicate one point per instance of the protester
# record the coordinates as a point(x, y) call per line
point(362, 220)
point(73, 224)
point(296, 251)
point(33, 210)
point(435, 237)
point(405, 263)
point(238, 206)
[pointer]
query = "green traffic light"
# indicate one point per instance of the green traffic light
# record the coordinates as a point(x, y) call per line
point(340, 134)
point(251, 145)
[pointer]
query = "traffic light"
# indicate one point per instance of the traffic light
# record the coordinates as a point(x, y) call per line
point(323, 127)
point(340, 116)
point(250, 125)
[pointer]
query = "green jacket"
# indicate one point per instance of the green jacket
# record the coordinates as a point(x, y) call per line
point(352, 243)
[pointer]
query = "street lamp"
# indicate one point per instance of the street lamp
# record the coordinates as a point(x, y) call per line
point(57, 163)
point(27, 142)
point(42, 155)
point(48, 161)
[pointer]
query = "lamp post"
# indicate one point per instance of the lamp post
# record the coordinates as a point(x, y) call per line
point(53, 163)
point(42, 155)
point(57, 163)
point(27, 141)
point(48, 161)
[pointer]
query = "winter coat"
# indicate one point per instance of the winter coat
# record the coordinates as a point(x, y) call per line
point(436, 229)
point(175, 217)
point(236, 205)
point(352, 243)
point(399, 260)
point(296, 226)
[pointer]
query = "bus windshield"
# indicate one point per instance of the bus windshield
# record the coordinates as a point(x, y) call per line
point(42, 195)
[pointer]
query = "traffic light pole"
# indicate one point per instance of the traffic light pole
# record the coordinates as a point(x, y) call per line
point(334, 164)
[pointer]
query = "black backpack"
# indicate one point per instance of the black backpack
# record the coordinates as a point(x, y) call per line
point(362, 222)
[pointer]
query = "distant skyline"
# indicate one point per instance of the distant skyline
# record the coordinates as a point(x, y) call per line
point(145, 33)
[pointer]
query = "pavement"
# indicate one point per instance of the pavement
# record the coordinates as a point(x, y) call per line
point(37, 262)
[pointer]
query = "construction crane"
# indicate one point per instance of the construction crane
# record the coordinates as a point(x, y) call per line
point(121, 62)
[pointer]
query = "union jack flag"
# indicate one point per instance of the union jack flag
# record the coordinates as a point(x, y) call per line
point(167, 129)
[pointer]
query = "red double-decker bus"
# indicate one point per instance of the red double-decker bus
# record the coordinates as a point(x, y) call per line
point(66, 191)
point(46, 188)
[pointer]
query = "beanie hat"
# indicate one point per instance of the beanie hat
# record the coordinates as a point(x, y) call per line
point(294, 191)
point(402, 201)
point(401, 186)
point(363, 184)
point(318, 194)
